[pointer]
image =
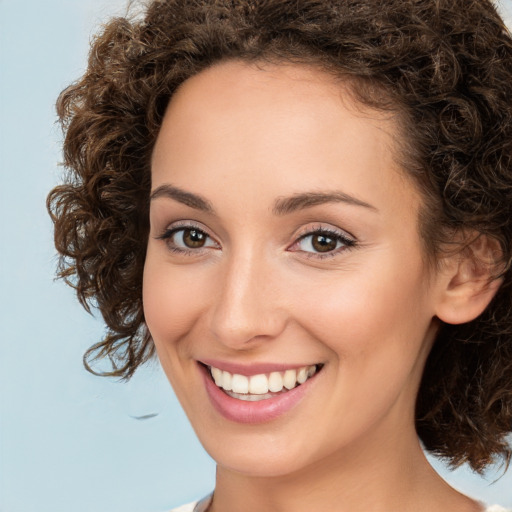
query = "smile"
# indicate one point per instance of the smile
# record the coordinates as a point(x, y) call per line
point(258, 393)
point(262, 386)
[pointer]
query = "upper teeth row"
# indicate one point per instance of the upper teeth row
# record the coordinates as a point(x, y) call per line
point(262, 383)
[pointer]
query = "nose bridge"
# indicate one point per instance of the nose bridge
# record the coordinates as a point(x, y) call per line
point(247, 306)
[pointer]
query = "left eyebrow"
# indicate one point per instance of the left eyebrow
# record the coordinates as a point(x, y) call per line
point(296, 202)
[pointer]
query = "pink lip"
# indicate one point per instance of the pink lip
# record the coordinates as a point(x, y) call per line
point(252, 369)
point(253, 412)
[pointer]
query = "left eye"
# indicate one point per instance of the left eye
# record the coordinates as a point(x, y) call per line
point(322, 242)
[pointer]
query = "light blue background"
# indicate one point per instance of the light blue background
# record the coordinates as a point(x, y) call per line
point(69, 440)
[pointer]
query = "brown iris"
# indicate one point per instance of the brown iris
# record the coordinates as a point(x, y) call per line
point(193, 238)
point(323, 243)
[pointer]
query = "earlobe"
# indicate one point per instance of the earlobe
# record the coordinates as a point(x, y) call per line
point(469, 280)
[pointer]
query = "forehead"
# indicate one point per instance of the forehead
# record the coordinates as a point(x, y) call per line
point(291, 90)
point(283, 128)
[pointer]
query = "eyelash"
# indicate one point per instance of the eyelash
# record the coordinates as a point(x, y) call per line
point(347, 242)
point(167, 235)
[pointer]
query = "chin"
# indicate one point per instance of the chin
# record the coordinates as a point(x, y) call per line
point(269, 454)
point(260, 465)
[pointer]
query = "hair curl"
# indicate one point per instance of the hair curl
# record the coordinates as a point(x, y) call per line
point(445, 66)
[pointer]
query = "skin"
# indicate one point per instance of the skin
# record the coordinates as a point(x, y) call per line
point(242, 137)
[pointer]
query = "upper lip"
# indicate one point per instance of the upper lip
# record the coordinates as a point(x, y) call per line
point(253, 368)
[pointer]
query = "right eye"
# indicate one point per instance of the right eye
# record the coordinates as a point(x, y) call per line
point(186, 239)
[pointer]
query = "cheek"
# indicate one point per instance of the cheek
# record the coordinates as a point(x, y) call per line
point(172, 304)
point(375, 327)
point(170, 299)
point(378, 315)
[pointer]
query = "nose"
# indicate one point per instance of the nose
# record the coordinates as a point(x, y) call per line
point(249, 307)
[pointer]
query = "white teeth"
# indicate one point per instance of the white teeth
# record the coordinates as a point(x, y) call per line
point(260, 386)
point(217, 376)
point(289, 379)
point(247, 397)
point(275, 382)
point(227, 379)
point(302, 375)
point(240, 383)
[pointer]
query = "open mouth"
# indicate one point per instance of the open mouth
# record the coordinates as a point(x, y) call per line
point(262, 386)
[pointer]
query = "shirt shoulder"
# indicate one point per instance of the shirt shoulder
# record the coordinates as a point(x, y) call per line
point(198, 506)
point(189, 507)
point(497, 508)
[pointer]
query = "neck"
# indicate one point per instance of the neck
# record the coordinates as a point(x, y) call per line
point(391, 473)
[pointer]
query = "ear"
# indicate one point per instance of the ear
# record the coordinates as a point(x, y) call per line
point(468, 280)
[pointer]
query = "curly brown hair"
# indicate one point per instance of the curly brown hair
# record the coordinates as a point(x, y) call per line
point(444, 66)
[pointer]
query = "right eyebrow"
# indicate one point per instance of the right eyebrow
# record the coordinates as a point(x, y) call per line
point(187, 198)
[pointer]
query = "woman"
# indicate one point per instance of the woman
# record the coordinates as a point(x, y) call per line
point(305, 208)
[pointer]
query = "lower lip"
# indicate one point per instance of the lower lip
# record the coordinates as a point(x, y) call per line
point(261, 411)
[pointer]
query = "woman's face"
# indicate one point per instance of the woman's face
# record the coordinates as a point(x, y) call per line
point(284, 246)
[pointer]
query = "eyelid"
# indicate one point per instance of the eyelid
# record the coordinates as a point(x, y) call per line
point(324, 228)
point(184, 224)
